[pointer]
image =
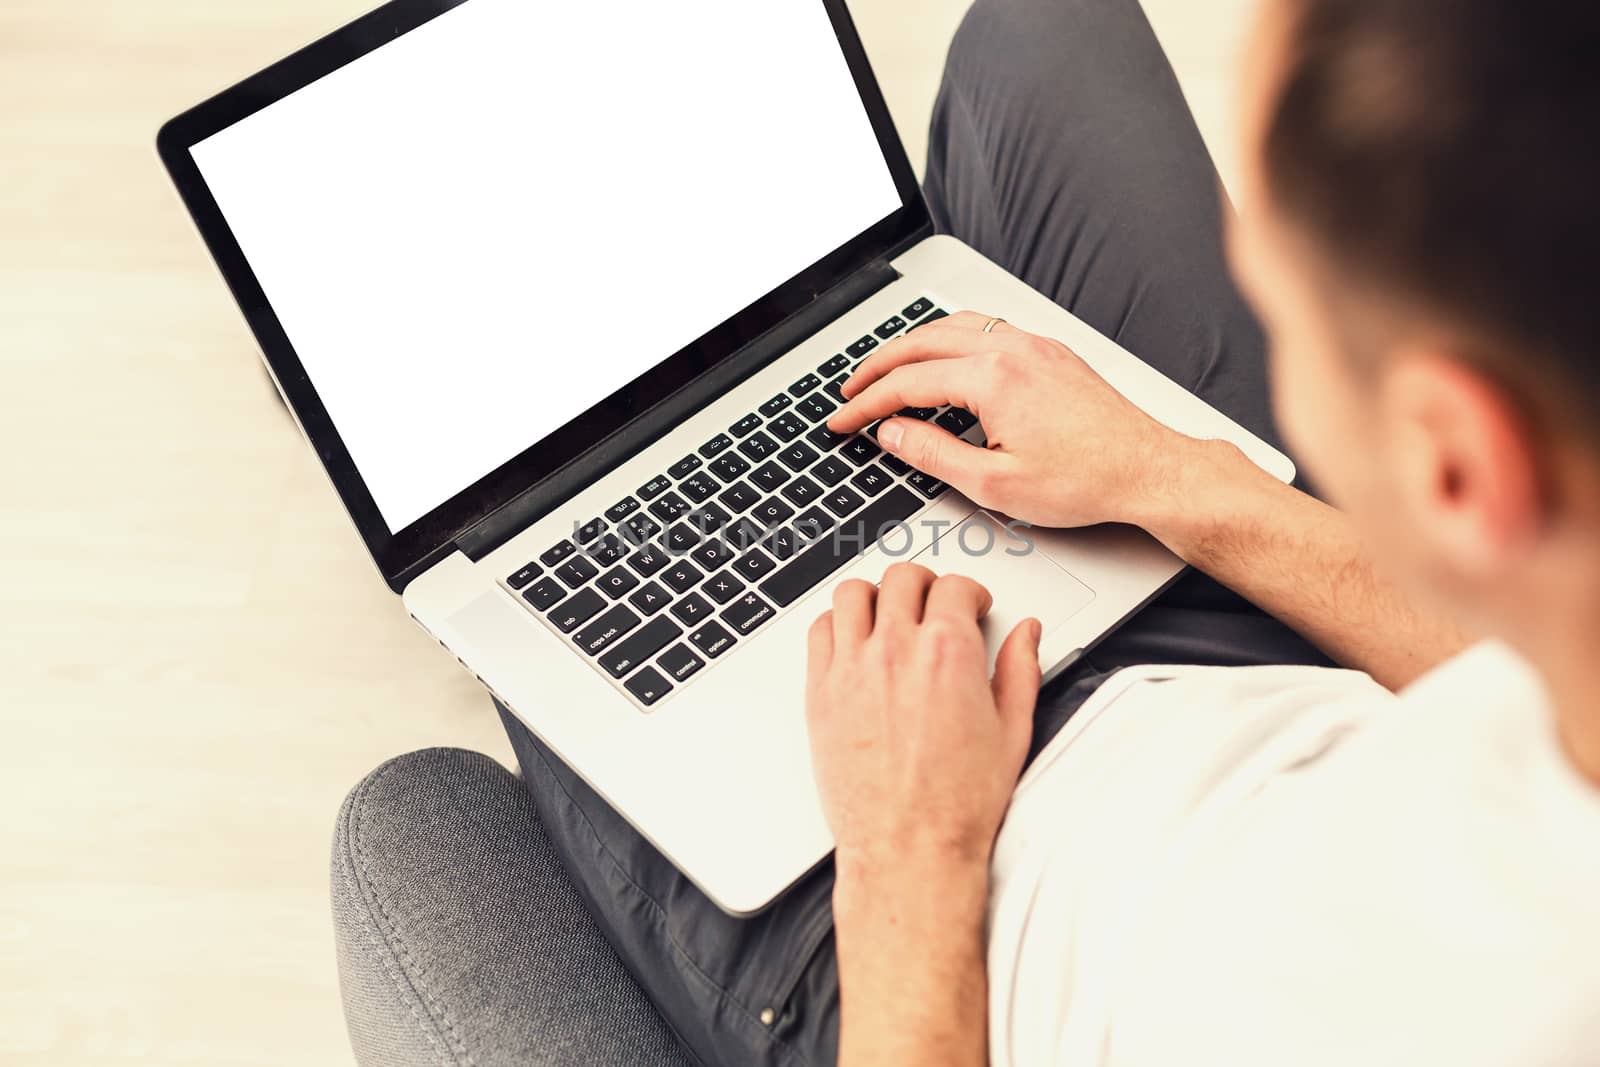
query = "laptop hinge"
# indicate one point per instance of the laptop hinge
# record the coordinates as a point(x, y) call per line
point(611, 452)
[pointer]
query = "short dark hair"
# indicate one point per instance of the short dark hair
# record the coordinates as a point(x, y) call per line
point(1448, 152)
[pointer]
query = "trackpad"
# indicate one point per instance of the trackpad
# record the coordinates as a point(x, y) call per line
point(1024, 581)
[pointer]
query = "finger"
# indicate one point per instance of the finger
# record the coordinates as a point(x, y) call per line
point(959, 597)
point(1016, 674)
point(922, 346)
point(819, 656)
point(902, 593)
point(923, 385)
point(971, 320)
point(936, 451)
point(854, 605)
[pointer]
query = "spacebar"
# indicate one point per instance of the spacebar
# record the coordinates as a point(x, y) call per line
point(841, 545)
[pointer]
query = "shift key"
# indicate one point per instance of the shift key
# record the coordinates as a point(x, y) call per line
point(657, 634)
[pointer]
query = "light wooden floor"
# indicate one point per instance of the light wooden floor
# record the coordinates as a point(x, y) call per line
point(197, 660)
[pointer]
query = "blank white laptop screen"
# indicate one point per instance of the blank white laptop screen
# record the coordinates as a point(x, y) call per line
point(481, 229)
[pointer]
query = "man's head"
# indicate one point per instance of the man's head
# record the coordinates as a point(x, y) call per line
point(1417, 226)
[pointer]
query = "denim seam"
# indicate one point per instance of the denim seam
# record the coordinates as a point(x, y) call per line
point(400, 963)
point(724, 995)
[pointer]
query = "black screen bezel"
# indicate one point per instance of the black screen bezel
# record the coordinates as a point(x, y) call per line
point(400, 551)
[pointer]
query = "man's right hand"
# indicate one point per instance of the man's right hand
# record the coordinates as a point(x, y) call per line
point(1064, 448)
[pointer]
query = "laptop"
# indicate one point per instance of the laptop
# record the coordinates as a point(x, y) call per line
point(562, 297)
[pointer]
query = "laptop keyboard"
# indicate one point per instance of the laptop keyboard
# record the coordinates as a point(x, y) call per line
point(673, 577)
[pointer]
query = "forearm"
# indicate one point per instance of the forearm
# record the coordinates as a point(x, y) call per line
point(1297, 559)
point(912, 985)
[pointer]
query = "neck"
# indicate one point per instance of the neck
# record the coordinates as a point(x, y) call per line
point(1571, 671)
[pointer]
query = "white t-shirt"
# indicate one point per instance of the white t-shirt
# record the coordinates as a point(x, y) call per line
point(1292, 867)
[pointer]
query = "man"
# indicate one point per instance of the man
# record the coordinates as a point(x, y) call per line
point(1241, 856)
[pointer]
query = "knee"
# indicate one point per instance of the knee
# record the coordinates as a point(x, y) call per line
point(406, 838)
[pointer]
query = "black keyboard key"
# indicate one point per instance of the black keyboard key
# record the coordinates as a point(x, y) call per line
point(699, 487)
point(798, 456)
point(769, 476)
point(812, 524)
point(637, 529)
point(754, 565)
point(684, 467)
point(835, 389)
point(788, 427)
point(890, 328)
point(649, 598)
point(825, 439)
point(578, 609)
point(957, 420)
point(831, 471)
point(723, 587)
point(759, 446)
point(896, 464)
point(669, 507)
point(743, 534)
point(622, 509)
point(860, 451)
point(918, 413)
point(654, 487)
point(804, 386)
point(842, 500)
point(589, 531)
point(746, 426)
point(784, 543)
point(730, 466)
point(775, 405)
point(709, 519)
point(649, 639)
point(872, 480)
point(802, 492)
point(558, 553)
point(527, 574)
point(834, 366)
point(648, 686)
point(681, 576)
point(679, 662)
point(816, 408)
point(926, 484)
point(738, 497)
point(576, 571)
point(692, 609)
point(746, 613)
point(649, 560)
point(833, 551)
point(919, 308)
point(771, 511)
point(712, 554)
point(616, 582)
point(716, 446)
point(862, 347)
point(606, 551)
point(544, 594)
point(933, 316)
point(682, 539)
point(594, 638)
point(712, 639)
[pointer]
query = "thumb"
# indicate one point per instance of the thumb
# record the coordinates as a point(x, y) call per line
point(938, 452)
point(1016, 673)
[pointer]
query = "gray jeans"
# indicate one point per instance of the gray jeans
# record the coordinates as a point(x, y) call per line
point(1062, 149)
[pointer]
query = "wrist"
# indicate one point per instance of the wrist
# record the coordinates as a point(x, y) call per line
point(1195, 491)
point(935, 885)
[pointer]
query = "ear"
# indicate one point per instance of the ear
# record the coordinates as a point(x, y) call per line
point(1467, 460)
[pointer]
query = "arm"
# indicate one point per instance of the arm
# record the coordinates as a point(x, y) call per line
point(1046, 412)
point(1295, 558)
point(916, 752)
point(913, 987)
